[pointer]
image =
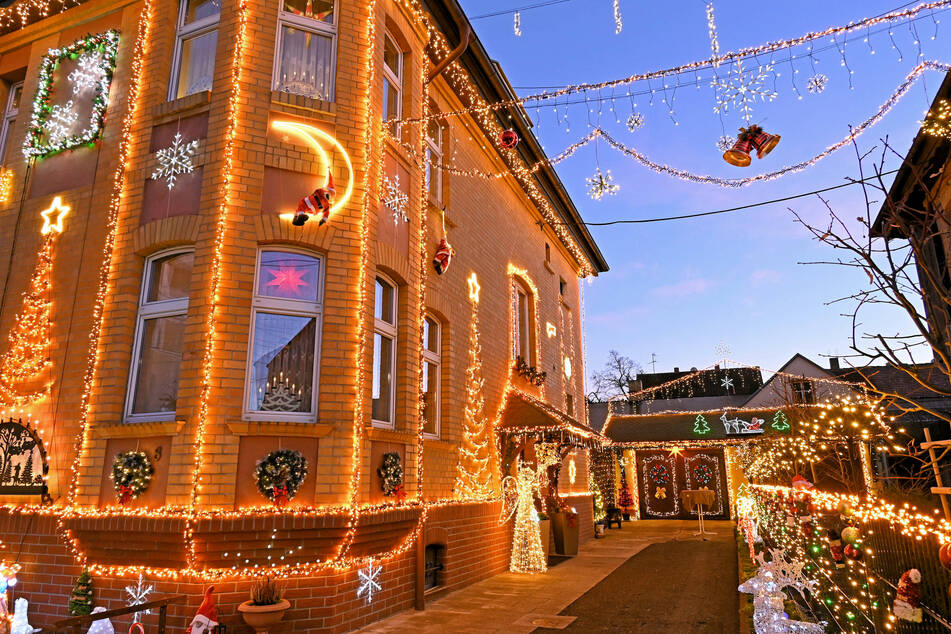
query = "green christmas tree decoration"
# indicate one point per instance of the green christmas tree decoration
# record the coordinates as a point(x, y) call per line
point(701, 426)
point(80, 601)
point(780, 421)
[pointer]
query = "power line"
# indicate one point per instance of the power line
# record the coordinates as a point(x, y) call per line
point(527, 7)
point(731, 209)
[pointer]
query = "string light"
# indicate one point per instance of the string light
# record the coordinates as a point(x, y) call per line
point(712, 31)
point(618, 24)
point(936, 121)
point(6, 185)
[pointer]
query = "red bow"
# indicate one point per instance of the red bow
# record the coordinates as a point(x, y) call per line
point(125, 494)
point(399, 492)
point(280, 496)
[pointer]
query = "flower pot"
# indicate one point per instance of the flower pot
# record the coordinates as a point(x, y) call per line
point(565, 531)
point(262, 617)
point(544, 529)
point(599, 530)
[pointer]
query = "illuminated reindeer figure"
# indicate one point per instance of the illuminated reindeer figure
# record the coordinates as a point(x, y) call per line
point(740, 426)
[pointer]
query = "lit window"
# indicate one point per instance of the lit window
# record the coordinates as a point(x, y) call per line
point(434, 154)
point(193, 68)
point(306, 43)
point(432, 393)
point(10, 113)
point(285, 333)
point(160, 330)
point(802, 392)
point(392, 82)
point(524, 318)
point(384, 353)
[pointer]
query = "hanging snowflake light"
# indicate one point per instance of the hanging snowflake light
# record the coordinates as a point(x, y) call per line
point(175, 159)
point(817, 83)
point(369, 579)
point(635, 121)
point(741, 88)
point(618, 23)
point(395, 199)
point(138, 594)
point(60, 124)
point(518, 24)
point(726, 142)
point(89, 71)
point(601, 184)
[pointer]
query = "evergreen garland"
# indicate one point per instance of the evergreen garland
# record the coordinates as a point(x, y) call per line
point(80, 601)
point(280, 474)
point(131, 473)
point(392, 475)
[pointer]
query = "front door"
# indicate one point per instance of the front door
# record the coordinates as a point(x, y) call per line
point(662, 475)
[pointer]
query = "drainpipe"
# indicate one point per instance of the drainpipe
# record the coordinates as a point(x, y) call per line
point(465, 34)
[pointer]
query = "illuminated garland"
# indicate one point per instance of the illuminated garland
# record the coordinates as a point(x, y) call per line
point(105, 45)
point(6, 185)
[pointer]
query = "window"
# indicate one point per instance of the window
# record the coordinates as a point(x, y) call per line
point(569, 405)
point(562, 286)
point(384, 353)
point(432, 392)
point(802, 392)
point(193, 67)
point(306, 43)
point(434, 565)
point(392, 82)
point(285, 336)
point(434, 154)
point(547, 252)
point(10, 113)
point(524, 333)
point(160, 330)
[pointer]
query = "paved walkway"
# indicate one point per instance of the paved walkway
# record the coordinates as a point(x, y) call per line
point(514, 603)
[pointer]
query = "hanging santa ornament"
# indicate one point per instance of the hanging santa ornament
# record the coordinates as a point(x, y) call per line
point(319, 201)
point(944, 555)
point(444, 251)
point(751, 138)
point(508, 139)
point(907, 605)
point(835, 548)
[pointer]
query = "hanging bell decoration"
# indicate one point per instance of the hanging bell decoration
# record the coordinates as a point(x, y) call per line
point(763, 142)
point(739, 154)
point(751, 138)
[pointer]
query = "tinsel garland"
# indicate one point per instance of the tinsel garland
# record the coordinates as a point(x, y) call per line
point(279, 475)
point(131, 473)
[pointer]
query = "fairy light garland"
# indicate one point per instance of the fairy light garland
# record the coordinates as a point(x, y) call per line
point(6, 185)
point(712, 32)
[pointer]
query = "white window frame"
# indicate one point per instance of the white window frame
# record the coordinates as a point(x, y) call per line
point(799, 395)
point(529, 355)
point(434, 155)
point(185, 32)
point(317, 27)
point(388, 330)
point(151, 310)
point(10, 114)
point(294, 308)
point(394, 78)
point(434, 357)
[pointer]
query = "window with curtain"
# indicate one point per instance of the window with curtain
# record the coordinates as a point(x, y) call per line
point(159, 338)
point(305, 63)
point(196, 39)
point(432, 392)
point(10, 113)
point(524, 320)
point(384, 353)
point(434, 154)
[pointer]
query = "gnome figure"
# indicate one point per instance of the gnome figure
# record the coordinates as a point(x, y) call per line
point(835, 547)
point(20, 624)
point(103, 626)
point(207, 617)
point(907, 604)
point(319, 201)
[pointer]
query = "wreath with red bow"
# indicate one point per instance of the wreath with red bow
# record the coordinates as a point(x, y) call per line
point(659, 474)
point(702, 474)
point(280, 474)
point(131, 473)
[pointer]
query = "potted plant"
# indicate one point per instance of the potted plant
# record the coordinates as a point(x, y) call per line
point(266, 606)
point(565, 528)
point(544, 529)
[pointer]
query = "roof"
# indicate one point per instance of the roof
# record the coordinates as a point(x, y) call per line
point(492, 84)
point(673, 426)
point(927, 155)
point(887, 378)
point(745, 380)
point(523, 414)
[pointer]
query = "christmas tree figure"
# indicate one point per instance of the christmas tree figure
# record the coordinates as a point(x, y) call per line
point(26, 476)
point(701, 426)
point(80, 601)
point(474, 472)
point(780, 421)
point(625, 498)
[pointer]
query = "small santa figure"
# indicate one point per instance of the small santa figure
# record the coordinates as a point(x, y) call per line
point(799, 482)
point(443, 256)
point(907, 604)
point(319, 201)
point(207, 617)
point(835, 547)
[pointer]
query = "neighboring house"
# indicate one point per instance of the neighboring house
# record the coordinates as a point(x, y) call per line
point(193, 323)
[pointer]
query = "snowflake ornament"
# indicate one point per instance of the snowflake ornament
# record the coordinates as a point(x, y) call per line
point(175, 159)
point(741, 88)
point(60, 123)
point(817, 83)
point(727, 383)
point(138, 594)
point(395, 199)
point(369, 579)
point(90, 70)
point(635, 121)
point(600, 184)
point(726, 142)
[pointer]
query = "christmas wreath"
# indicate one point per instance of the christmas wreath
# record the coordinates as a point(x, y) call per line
point(279, 474)
point(659, 474)
point(131, 473)
point(391, 474)
point(702, 474)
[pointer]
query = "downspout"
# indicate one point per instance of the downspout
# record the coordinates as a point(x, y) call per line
point(466, 33)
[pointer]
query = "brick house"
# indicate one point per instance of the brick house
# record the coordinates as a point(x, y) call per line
point(193, 322)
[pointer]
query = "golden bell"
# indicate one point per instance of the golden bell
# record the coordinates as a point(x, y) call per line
point(739, 154)
point(764, 143)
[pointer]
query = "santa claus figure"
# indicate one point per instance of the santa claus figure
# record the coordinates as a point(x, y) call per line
point(207, 617)
point(443, 256)
point(318, 202)
point(907, 605)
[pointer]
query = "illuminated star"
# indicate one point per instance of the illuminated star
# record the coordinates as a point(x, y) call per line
point(53, 216)
point(474, 288)
point(727, 383)
point(287, 280)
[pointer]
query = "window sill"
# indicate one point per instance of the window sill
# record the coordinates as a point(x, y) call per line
point(174, 108)
point(286, 100)
point(279, 428)
point(548, 267)
point(388, 434)
point(139, 429)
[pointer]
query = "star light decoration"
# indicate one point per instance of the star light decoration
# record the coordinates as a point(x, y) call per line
point(395, 199)
point(727, 383)
point(89, 71)
point(175, 159)
point(601, 184)
point(369, 581)
point(817, 83)
point(287, 279)
point(635, 121)
point(138, 594)
point(741, 89)
point(53, 216)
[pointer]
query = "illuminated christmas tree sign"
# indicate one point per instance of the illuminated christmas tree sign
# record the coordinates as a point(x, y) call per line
point(70, 104)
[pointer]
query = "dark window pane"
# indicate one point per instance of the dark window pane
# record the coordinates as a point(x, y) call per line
point(382, 377)
point(430, 396)
point(282, 370)
point(199, 9)
point(160, 358)
point(170, 277)
point(383, 301)
point(431, 334)
point(289, 276)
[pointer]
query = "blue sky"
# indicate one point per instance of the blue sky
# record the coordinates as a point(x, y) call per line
point(677, 289)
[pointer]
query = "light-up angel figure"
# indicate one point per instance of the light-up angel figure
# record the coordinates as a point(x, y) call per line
point(519, 500)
